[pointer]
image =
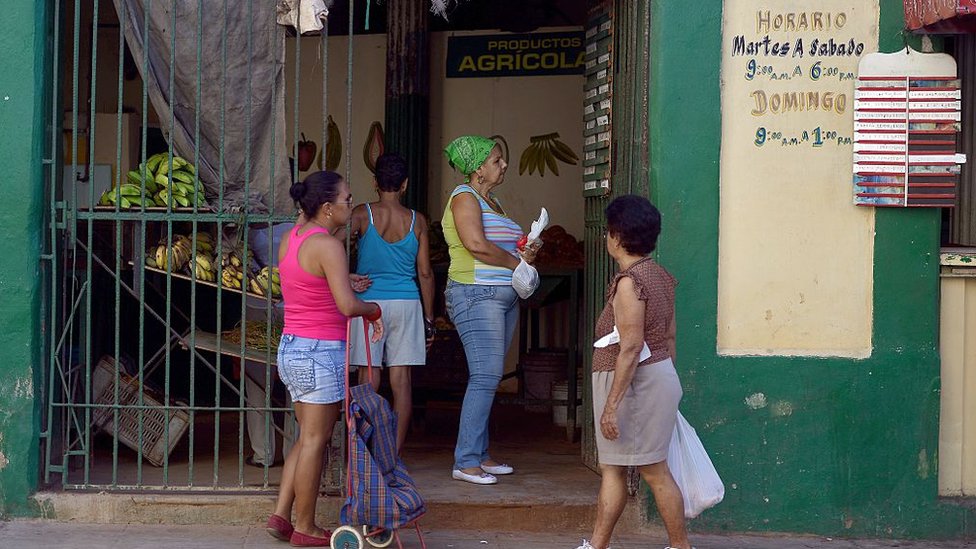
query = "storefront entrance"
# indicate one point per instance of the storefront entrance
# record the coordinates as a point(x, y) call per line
point(150, 377)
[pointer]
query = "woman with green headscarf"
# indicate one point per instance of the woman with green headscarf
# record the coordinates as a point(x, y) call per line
point(481, 302)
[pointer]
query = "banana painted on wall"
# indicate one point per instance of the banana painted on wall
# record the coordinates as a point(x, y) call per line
point(546, 151)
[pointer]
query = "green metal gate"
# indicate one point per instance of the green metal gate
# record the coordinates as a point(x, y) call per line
point(628, 168)
point(141, 386)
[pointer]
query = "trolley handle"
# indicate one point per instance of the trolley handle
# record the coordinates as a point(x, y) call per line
point(350, 424)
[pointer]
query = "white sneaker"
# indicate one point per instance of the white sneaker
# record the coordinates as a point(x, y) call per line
point(586, 545)
point(483, 478)
point(502, 469)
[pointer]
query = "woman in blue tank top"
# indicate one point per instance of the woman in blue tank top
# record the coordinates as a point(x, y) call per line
point(393, 253)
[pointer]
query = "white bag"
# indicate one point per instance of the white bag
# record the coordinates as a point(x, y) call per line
point(525, 279)
point(692, 470)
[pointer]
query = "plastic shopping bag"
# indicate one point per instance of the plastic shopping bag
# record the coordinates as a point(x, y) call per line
point(525, 280)
point(692, 470)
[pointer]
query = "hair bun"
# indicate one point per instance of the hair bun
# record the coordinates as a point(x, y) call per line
point(297, 191)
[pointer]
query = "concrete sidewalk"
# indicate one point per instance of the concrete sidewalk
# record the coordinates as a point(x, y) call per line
point(47, 534)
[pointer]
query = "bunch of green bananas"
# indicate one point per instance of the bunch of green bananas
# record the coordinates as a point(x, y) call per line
point(546, 151)
point(165, 180)
point(267, 280)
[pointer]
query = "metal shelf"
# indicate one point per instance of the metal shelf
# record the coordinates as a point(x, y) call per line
point(207, 341)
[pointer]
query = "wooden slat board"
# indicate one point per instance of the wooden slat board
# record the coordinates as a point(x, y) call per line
point(907, 117)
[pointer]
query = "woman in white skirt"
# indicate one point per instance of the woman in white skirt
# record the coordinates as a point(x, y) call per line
point(635, 389)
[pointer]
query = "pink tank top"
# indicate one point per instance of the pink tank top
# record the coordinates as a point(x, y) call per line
point(310, 309)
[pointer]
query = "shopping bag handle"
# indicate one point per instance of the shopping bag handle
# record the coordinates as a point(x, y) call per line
point(369, 368)
point(369, 357)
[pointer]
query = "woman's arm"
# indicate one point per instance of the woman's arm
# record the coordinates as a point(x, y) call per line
point(628, 313)
point(671, 337)
point(467, 219)
point(357, 224)
point(425, 275)
point(331, 258)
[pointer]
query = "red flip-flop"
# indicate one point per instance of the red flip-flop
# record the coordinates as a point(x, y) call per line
point(279, 528)
point(299, 539)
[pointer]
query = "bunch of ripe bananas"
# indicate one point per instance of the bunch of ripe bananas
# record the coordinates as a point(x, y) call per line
point(178, 255)
point(233, 269)
point(165, 180)
point(266, 281)
point(546, 151)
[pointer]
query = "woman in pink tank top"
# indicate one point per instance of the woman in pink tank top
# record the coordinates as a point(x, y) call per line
point(318, 296)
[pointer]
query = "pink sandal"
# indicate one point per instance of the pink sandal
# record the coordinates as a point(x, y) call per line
point(299, 539)
point(279, 528)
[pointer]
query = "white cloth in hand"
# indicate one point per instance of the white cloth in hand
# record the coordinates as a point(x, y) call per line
point(613, 338)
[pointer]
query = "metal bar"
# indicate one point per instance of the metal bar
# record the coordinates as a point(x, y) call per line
point(156, 215)
point(97, 406)
point(220, 240)
point(352, 8)
point(91, 229)
point(118, 237)
point(196, 185)
point(56, 173)
point(146, 488)
point(243, 228)
point(142, 234)
point(169, 229)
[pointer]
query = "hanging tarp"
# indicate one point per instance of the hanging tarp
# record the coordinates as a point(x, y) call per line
point(229, 78)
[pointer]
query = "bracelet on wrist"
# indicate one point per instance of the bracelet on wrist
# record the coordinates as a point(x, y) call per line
point(375, 315)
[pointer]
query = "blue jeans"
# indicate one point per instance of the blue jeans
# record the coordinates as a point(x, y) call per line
point(485, 318)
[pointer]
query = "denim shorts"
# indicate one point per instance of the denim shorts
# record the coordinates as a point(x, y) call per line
point(313, 370)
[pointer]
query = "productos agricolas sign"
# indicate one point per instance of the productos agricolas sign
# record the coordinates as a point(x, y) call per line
point(535, 54)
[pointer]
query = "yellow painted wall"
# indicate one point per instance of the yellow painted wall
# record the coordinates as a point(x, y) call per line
point(516, 108)
point(795, 255)
point(368, 81)
point(957, 419)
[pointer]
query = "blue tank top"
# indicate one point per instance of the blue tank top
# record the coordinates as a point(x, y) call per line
point(391, 266)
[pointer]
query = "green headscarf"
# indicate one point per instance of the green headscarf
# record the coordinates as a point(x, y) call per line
point(468, 152)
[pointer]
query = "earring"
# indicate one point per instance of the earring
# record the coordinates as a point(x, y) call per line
point(481, 179)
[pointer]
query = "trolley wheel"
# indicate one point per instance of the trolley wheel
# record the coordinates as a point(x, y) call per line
point(381, 538)
point(347, 537)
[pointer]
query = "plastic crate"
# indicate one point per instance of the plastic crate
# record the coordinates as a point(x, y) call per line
point(154, 421)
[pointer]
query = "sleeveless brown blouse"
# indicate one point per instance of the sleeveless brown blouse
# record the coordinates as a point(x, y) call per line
point(655, 287)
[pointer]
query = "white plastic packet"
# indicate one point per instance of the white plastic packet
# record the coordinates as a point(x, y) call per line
point(693, 472)
point(539, 225)
point(613, 338)
point(535, 231)
point(525, 279)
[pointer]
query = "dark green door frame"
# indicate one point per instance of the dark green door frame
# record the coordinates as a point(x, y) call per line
point(24, 139)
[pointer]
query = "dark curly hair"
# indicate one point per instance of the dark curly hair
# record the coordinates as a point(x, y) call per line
point(635, 222)
point(391, 172)
point(316, 189)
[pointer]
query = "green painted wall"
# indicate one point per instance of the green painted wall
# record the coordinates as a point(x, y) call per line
point(22, 139)
point(858, 455)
